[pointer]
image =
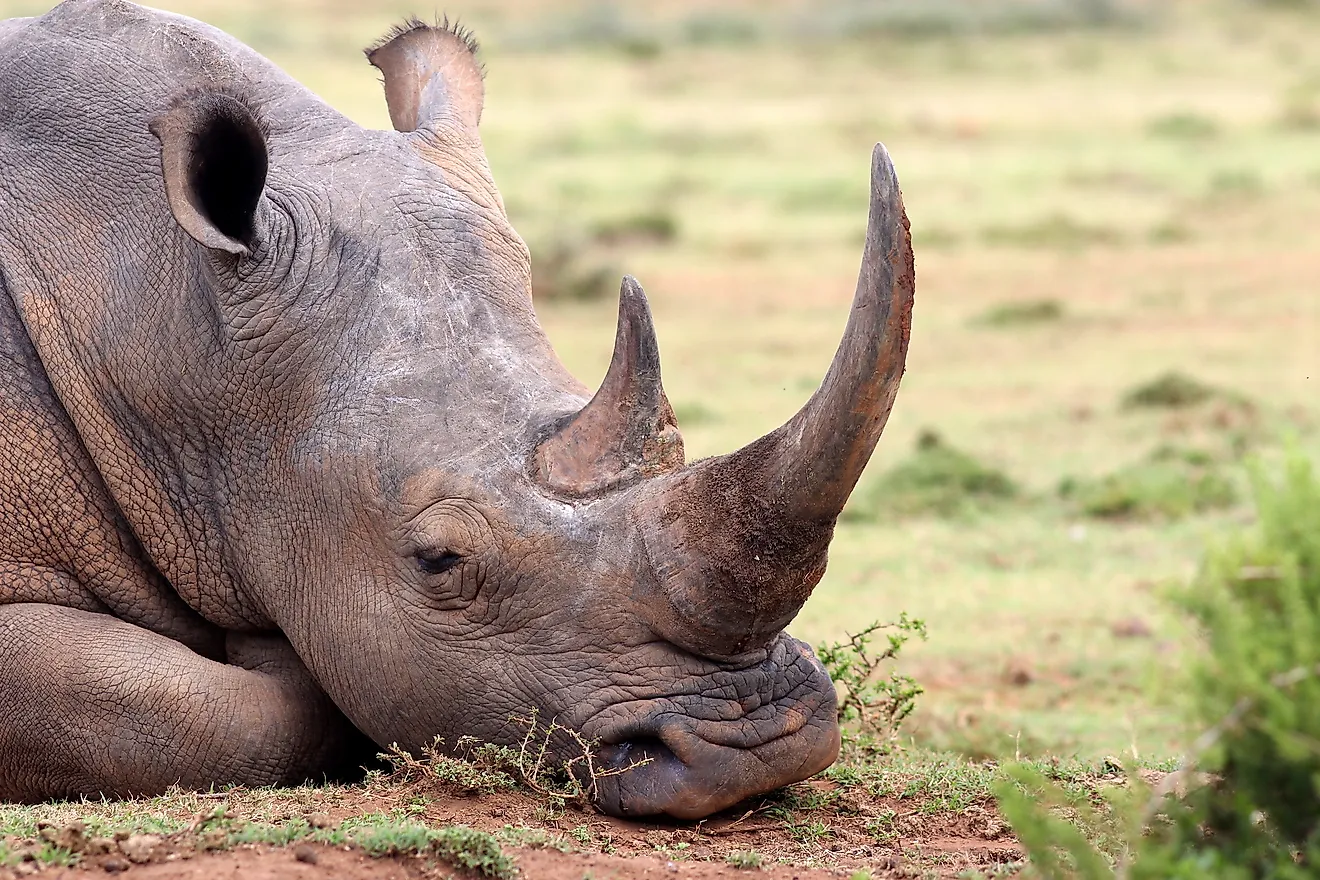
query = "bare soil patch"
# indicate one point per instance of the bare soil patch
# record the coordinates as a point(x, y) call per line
point(811, 831)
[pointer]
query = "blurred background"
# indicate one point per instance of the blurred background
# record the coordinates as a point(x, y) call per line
point(1116, 214)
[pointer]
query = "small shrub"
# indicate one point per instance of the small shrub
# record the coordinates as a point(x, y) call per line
point(479, 768)
point(691, 413)
point(1059, 231)
point(936, 480)
point(935, 238)
point(1256, 690)
point(1014, 314)
point(1300, 108)
point(472, 849)
point(874, 702)
point(1183, 125)
point(1171, 390)
point(532, 838)
point(563, 270)
point(656, 226)
point(458, 845)
point(711, 27)
point(1171, 483)
point(394, 839)
point(748, 860)
point(1236, 183)
point(1168, 232)
point(932, 19)
point(1245, 803)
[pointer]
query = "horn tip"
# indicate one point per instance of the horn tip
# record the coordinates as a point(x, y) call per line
point(633, 304)
point(882, 165)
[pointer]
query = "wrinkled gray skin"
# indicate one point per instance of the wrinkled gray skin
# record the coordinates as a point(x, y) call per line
point(269, 473)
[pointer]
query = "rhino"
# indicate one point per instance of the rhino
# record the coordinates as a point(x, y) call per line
point(289, 471)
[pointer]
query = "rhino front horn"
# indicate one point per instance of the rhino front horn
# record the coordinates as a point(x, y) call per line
point(627, 432)
point(738, 542)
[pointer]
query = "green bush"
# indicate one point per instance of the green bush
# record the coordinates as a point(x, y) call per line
point(874, 698)
point(1249, 805)
point(1171, 390)
point(1170, 483)
point(1256, 688)
point(563, 268)
point(936, 480)
point(1015, 314)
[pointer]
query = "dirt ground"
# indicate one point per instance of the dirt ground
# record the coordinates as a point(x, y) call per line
point(854, 834)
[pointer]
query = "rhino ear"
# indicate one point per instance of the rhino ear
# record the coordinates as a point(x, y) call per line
point(214, 160)
point(432, 76)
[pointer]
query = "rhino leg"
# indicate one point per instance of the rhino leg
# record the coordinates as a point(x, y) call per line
point(92, 705)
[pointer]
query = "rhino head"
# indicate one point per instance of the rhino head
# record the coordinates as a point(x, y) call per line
point(448, 527)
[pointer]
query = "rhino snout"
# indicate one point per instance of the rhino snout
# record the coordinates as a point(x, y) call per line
point(692, 755)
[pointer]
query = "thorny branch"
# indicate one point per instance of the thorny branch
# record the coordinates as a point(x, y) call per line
point(532, 752)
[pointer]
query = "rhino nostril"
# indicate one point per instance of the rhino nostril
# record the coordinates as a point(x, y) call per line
point(635, 752)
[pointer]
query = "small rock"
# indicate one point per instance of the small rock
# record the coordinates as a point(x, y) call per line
point(1131, 628)
point(72, 837)
point(114, 865)
point(23, 869)
point(320, 820)
point(306, 854)
point(670, 866)
point(139, 847)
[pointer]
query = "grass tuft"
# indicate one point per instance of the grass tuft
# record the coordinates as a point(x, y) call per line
point(479, 768)
point(1170, 484)
point(458, 845)
point(1056, 231)
point(656, 226)
point(1016, 314)
point(747, 859)
point(1183, 125)
point(936, 480)
point(1171, 390)
point(565, 270)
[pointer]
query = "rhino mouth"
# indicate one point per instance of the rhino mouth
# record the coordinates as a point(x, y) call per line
point(691, 755)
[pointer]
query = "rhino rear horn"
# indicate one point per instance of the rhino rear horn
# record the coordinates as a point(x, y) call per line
point(627, 432)
point(432, 76)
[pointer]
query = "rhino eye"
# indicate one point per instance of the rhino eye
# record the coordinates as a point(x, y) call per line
point(438, 561)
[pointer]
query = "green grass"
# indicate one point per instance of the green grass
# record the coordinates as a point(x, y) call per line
point(882, 797)
point(1171, 390)
point(937, 480)
point(173, 818)
point(1016, 314)
point(1170, 483)
point(748, 860)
